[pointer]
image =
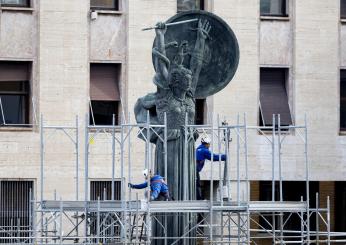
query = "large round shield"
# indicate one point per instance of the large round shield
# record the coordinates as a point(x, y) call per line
point(221, 54)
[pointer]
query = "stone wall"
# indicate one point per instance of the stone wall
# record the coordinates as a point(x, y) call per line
point(61, 40)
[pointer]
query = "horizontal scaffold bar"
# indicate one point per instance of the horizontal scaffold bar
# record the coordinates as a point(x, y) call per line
point(171, 206)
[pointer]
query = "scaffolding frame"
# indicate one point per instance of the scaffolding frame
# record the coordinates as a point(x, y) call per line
point(225, 220)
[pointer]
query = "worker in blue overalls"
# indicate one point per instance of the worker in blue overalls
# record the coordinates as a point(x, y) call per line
point(158, 187)
point(203, 153)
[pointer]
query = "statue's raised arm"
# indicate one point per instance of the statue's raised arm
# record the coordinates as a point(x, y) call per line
point(161, 62)
point(183, 73)
point(196, 62)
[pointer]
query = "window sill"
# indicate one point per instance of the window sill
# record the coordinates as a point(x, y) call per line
point(25, 9)
point(270, 132)
point(342, 133)
point(104, 130)
point(103, 11)
point(16, 129)
point(343, 20)
point(279, 18)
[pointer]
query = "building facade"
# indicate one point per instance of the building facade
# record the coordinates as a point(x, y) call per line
point(62, 59)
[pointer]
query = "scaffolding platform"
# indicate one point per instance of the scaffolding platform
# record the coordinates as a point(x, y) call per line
point(285, 207)
point(129, 220)
point(172, 206)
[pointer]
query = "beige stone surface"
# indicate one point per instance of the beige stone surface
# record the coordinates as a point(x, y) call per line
point(67, 41)
point(276, 43)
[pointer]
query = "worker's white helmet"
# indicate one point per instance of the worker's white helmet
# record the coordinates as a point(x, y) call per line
point(145, 172)
point(205, 140)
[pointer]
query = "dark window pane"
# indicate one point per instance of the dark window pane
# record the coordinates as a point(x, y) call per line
point(273, 8)
point(102, 112)
point(343, 8)
point(14, 101)
point(15, 3)
point(343, 100)
point(340, 204)
point(343, 115)
point(105, 4)
point(201, 5)
point(186, 5)
point(199, 111)
point(14, 109)
point(265, 6)
point(291, 191)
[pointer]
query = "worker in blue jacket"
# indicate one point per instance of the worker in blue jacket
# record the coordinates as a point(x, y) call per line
point(203, 153)
point(158, 187)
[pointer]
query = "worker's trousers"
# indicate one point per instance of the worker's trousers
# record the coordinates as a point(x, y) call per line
point(199, 194)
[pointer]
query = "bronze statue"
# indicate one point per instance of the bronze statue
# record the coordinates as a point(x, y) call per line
point(186, 68)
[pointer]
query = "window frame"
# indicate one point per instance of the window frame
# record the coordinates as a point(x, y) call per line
point(202, 6)
point(287, 87)
point(25, 92)
point(117, 186)
point(340, 198)
point(115, 8)
point(25, 108)
point(92, 120)
point(284, 10)
point(103, 216)
point(200, 121)
point(26, 206)
point(118, 79)
point(342, 7)
point(27, 5)
point(342, 99)
point(288, 194)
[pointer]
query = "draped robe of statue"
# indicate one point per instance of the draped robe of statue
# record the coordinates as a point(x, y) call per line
point(174, 97)
point(176, 79)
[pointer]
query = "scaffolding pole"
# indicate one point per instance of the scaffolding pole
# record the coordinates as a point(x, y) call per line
point(134, 217)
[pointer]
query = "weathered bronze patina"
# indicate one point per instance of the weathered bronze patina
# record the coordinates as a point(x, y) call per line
point(194, 59)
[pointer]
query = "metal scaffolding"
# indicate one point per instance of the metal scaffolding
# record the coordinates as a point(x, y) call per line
point(228, 216)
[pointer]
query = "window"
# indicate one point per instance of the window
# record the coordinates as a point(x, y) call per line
point(109, 224)
point(15, 210)
point(343, 100)
point(343, 9)
point(102, 112)
point(186, 5)
point(273, 96)
point(104, 4)
point(103, 190)
point(15, 3)
point(292, 191)
point(14, 93)
point(274, 7)
point(104, 93)
point(199, 111)
point(340, 204)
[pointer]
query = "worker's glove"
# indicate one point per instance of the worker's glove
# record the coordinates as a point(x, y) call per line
point(130, 185)
point(152, 198)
